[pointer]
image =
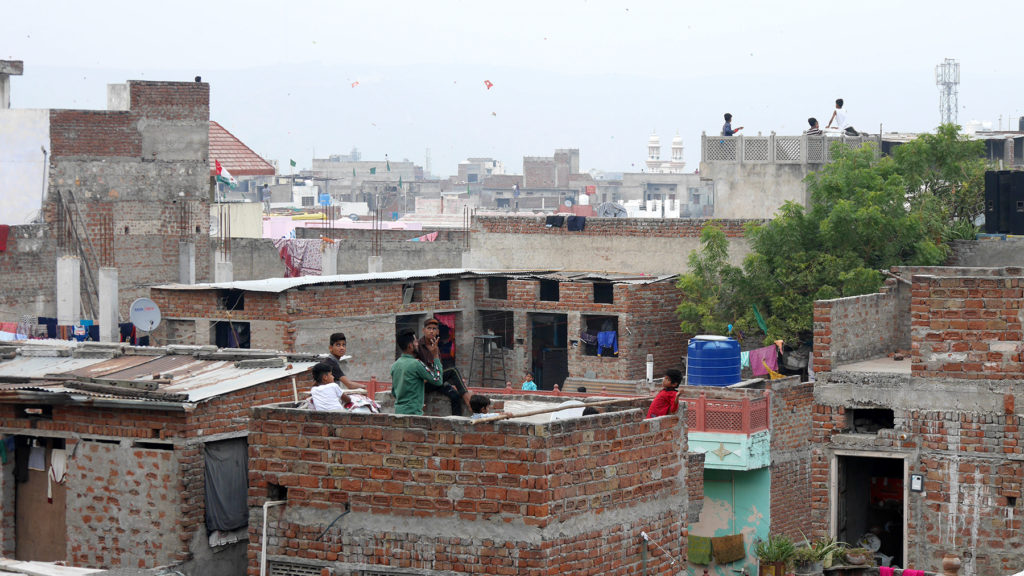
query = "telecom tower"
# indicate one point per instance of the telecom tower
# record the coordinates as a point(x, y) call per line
point(947, 78)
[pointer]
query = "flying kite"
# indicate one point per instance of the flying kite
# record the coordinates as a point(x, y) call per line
point(488, 83)
point(356, 83)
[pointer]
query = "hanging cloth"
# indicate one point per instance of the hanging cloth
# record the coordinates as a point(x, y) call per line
point(58, 471)
point(727, 549)
point(698, 549)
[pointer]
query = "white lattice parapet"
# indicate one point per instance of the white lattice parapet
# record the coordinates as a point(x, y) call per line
point(773, 149)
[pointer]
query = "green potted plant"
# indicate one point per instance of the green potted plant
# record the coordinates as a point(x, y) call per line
point(773, 554)
point(805, 561)
point(815, 556)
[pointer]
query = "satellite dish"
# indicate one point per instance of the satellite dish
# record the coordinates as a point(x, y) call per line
point(144, 315)
point(353, 217)
point(568, 203)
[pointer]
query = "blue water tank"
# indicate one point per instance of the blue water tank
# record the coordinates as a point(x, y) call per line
point(712, 361)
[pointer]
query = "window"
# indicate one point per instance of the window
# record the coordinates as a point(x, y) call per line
point(604, 293)
point(471, 177)
point(600, 334)
point(231, 300)
point(871, 420)
point(307, 201)
point(227, 334)
point(549, 290)
point(444, 290)
point(499, 323)
point(497, 288)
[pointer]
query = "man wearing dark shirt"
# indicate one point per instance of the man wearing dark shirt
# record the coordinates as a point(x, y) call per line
point(338, 347)
point(727, 127)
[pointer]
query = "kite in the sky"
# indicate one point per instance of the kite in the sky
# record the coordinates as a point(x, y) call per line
point(488, 83)
point(356, 83)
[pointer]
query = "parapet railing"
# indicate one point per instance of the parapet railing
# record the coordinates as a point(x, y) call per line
point(731, 416)
point(774, 149)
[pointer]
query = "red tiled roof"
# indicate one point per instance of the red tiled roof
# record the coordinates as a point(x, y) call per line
point(238, 158)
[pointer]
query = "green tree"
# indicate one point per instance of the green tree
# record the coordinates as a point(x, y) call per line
point(866, 213)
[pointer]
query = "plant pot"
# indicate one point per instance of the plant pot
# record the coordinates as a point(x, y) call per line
point(808, 568)
point(856, 559)
point(771, 569)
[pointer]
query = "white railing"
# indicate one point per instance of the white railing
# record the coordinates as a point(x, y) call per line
point(773, 149)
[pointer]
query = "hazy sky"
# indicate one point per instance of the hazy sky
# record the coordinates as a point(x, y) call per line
point(595, 75)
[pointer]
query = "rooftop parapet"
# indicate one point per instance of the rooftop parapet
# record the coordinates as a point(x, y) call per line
point(774, 149)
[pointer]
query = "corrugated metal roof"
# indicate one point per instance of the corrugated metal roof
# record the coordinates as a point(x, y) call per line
point(40, 366)
point(225, 378)
point(283, 284)
point(104, 367)
point(155, 365)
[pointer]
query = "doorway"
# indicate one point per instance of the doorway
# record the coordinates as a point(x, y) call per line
point(549, 355)
point(408, 322)
point(870, 505)
point(39, 521)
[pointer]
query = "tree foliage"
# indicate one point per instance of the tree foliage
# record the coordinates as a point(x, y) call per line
point(866, 213)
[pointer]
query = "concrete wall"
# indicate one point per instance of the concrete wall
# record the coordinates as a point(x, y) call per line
point(251, 259)
point(243, 219)
point(755, 190)
point(23, 165)
point(987, 252)
point(629, 245)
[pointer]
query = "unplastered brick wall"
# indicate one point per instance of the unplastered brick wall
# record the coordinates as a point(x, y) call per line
point(971, 462)
point(792, 403)
point(136, 475)
point(27, 274)
point(647, 227)
point(968, 326)
point(568, 497)
point(857, 328)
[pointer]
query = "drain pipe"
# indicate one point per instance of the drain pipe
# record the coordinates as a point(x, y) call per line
point(263, 551)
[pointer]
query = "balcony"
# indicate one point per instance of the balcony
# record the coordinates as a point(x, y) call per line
point(732, 427)
point(773, 149)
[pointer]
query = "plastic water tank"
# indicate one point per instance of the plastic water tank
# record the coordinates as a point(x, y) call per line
point(712, 361)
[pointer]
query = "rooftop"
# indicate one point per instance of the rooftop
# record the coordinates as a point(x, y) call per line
point(238, 158)
point(86, 372)
point(283, 284)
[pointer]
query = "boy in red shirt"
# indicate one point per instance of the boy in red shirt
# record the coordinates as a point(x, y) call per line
point(667, 402)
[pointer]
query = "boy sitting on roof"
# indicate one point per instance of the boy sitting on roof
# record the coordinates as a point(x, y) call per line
point(667, 401)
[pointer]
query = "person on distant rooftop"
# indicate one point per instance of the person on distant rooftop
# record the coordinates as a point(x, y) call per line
point(814, 130)
point(727, 129)
point(839, 117)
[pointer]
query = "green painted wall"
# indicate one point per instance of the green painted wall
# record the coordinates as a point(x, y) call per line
point(735, 502)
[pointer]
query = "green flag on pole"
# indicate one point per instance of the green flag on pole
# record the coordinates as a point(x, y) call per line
point(353, 172)
point(388, 164)
point(399, 181)
point(373, 170)
point(292, 162)
point(467, 189)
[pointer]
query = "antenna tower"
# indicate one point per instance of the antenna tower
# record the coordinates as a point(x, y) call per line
point(947, 78)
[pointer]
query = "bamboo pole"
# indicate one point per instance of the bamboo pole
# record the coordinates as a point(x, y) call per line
point(497, 417)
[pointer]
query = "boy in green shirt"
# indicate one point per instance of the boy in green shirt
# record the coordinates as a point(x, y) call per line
point(409, 376)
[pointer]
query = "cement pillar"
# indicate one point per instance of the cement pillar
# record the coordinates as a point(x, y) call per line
point(69, 290)
point(109, 331)
point(186, 262)
point(375, 264)
point(329, 263)
point(222, 268)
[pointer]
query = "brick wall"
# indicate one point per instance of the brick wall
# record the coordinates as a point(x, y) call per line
point(130, 172)
point(27, 273)
point(540, 172)
point(791, 407)
point(136, 475)
point(859, 327)
point(442, 495)
point(968, 327)
point(971, 464)
point(625, 227)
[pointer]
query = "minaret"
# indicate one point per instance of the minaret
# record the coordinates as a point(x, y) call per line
point(653, 153)
point(677, 155)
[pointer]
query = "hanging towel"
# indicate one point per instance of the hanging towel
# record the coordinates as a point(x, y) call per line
point(886, 571)
point(554, 221)
point(698, 549)
point(727, 549)
point(58, 471)
point(768, 354)
point(912, 572)
point(576, 223)
point(607, 340)
point(744, 360)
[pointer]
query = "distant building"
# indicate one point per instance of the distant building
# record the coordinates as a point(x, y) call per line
point(656, 165)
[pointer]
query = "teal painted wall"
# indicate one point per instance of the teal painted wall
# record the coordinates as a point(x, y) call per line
point(735, 502)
